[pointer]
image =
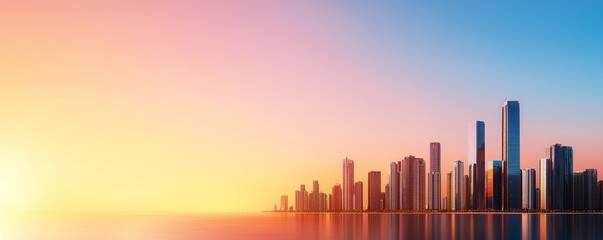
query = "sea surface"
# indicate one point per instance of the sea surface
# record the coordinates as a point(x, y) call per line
point(305, 226)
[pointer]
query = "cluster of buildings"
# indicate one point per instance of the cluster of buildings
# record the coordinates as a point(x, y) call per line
point(498, 185)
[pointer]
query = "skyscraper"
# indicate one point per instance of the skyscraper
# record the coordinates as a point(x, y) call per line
point(412, 180)
point(591, 197)
point(494, 192)
point(579, 191)
point(284, 203)
point(511, 156)
point(546, 184)
point(358, 197)
point(394, 186)
point(457, 192)
point(477, 158)
point(434, 176)
point(374, 190)
point(348, 184)
point(449, 190)
point(336, 199)
point(301, 199)
point(528, 188)
point(315, 196)
point(562, 158)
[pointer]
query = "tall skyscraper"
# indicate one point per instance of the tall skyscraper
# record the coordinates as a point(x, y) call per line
point(562, 158)
point(374, 191)
point(315, 196)
point(394, 186)
point(336, 198)
point(412, 180)
point(466, 193)
point(511, 156)
point(358, 197)
point(449, 190)
point(284, 203)
point(546, 184)
point(348, 184)
point(434, 177)
point(494, 192)
point(528, 188)
point(301, 199)
point(477, 157)
point(457, 192)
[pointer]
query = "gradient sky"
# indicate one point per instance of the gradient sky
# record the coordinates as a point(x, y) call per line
point(200, 106)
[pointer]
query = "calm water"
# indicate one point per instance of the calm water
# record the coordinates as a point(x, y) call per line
point(307, 226)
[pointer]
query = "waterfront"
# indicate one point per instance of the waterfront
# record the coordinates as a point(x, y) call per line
point(307, 226)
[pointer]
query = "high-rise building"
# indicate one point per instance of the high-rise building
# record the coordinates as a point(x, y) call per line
point(590, 188)
point(562, 158)
point(387, 199)
point(528, 188)
point(348, 184)
point(358, 197)
point(374, 191)
point(546, 184)
point(477, 158)
point(315, 199)
point(412, 181)
point(579, 193)
point(511, 156)
point(284, 203)
point(467, 193)
point(301, 199)
point(394, 186)
point(434, 177)
point(336, 198)
point(457, 192)
point(494, 192)
point(449, 190)
point(586, 195)
point(469, 190)
point(322, 199)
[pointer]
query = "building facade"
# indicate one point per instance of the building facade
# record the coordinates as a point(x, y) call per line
point(348, 184)
point(477, 159)
point(434, 180)
point(511, 156)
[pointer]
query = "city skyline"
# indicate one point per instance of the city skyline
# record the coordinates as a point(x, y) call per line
point(409, 188)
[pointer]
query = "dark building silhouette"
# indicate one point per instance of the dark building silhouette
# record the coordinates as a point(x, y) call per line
point(374, 191)
point(562, 158)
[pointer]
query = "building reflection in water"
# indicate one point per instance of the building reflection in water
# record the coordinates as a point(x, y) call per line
point(449, 226)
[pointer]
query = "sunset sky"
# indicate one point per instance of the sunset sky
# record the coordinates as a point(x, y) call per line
point(223, 106)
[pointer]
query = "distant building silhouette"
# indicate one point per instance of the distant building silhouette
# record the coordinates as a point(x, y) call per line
point(562, 158)
point(336, 199)
point(374, 191)
point(434, 180)
point(358, 197)
point(348, 184)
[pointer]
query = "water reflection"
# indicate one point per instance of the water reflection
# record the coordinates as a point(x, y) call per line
point(449, 226)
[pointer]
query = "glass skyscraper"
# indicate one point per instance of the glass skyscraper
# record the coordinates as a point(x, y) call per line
point(562, 158)
point(477, 159)
point(494, 191)
point(511, 156)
